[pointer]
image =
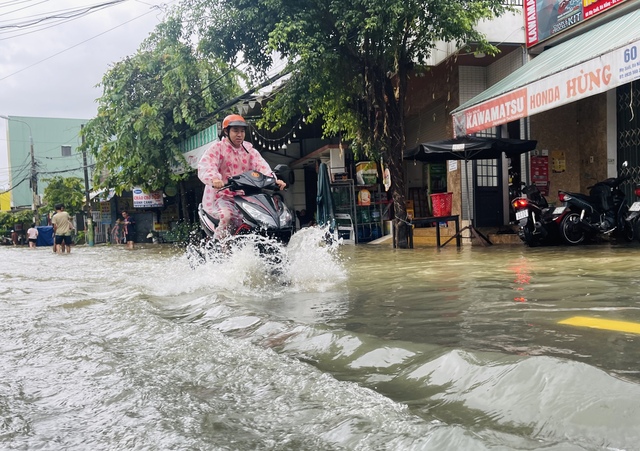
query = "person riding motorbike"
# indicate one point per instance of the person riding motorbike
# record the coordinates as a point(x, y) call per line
point(230, 156)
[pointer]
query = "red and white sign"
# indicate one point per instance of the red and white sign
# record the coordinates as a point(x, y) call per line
point(592, 77)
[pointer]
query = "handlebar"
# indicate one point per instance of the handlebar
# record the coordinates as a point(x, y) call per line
point(612, 182)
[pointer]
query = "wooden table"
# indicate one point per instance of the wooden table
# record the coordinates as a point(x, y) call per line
point(437, 220)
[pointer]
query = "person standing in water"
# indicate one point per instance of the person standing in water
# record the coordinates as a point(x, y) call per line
point(129, 225)
point(62, 227)
point(32, 235)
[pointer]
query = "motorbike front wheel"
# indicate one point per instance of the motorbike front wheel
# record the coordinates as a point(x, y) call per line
point(570, 229)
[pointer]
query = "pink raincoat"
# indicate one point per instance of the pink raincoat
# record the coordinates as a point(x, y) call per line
point(222, 161)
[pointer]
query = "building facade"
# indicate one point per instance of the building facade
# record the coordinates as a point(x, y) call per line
point(39, 149)
point(577, 94)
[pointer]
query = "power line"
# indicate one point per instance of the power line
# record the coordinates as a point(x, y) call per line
point(16, 185)
point(64, 170)
point(78, 44)
point(8, 3)
point(53, 15)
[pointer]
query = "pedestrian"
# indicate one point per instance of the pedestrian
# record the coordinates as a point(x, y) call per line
point(129, 229)
point(230, 156)
point(62, 227)
point(14, 237)
point(32, 235)
point(117, 232)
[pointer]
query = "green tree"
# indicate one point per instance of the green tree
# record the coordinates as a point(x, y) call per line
point(350, 60)
point(65, 190)
point(9, 220)
point(150, 103)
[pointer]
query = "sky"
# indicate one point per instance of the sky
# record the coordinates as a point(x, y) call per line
point(51, 68)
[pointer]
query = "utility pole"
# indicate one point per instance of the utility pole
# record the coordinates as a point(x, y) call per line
point(89, 222)
point(34, 183)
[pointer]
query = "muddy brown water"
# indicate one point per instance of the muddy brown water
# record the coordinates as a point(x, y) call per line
point(350, 348)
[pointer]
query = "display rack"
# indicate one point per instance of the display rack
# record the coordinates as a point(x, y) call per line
point(343, 195)
point(367, 214)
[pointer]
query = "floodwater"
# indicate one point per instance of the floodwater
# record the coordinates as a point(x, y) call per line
point(348, 348)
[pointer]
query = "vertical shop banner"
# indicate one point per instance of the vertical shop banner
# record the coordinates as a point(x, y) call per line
point(546, 18)
point(147, 200)
point(105, 212)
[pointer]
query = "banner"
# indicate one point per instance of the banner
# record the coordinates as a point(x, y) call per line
point(546, 18)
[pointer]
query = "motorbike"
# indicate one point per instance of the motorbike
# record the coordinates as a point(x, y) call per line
point(633, 218)
point(264, 215)
point(536, 225)
point(603, 212)
point(263, 210)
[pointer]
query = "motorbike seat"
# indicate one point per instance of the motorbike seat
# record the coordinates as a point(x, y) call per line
point(584, 200)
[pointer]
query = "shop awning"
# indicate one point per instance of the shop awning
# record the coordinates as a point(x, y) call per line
point(593, 62)
point(468, 148)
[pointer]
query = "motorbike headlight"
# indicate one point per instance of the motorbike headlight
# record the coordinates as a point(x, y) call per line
point(286, 218)
point(264, 219)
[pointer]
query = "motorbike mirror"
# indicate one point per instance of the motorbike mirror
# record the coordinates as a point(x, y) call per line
point(285, 173)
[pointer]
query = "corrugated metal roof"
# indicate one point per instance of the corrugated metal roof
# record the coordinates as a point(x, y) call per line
point(589, 45)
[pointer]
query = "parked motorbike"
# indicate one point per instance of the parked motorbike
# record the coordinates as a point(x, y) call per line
point(263, 210)
point(603, 212)
point(536, 225)
point(633, 218)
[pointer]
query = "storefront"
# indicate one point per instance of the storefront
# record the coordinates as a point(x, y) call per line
point(578, 97)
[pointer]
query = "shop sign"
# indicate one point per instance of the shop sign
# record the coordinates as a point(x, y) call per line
point(595, 76)
point(147, 200)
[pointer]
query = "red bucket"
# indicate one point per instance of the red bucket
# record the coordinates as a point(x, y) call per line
point(441, 204)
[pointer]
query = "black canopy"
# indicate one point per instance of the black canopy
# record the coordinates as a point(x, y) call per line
point(469, 148)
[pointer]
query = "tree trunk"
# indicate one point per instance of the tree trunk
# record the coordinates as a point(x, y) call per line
point(183, 203)
point(396, 170)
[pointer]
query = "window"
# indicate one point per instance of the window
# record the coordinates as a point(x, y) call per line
point(66, 151)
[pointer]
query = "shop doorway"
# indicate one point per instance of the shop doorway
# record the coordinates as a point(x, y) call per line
point(488, 211)
point(628, 134)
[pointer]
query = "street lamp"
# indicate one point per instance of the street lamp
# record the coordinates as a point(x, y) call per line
point(34, 175)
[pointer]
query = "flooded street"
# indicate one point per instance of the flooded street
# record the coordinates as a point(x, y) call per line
point(355, 348)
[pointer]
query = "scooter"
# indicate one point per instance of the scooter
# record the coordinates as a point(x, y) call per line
point(633, 218)
point(601, 213)
point(264, 215)
point(536, 226)
point(263, 210)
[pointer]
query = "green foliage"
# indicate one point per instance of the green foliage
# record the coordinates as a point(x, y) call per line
point(350, 60)
point(151, 102)
point(9, 219)
point(65, 190)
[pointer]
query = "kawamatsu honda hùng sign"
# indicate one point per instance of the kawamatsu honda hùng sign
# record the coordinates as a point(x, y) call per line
point(592, 77)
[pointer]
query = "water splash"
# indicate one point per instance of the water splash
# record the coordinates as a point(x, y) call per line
point(310, 262)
